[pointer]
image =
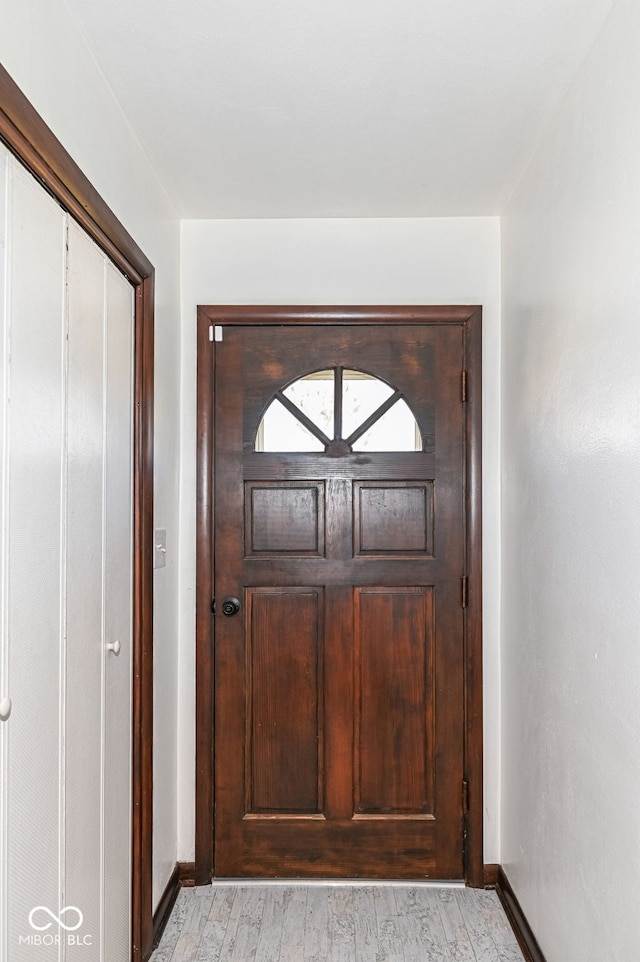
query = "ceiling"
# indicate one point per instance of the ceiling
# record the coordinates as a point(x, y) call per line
point(339, 108)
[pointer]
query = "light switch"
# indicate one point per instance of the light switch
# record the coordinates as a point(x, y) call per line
point(160, 547)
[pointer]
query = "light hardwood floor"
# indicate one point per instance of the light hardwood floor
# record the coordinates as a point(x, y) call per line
point(284, 922)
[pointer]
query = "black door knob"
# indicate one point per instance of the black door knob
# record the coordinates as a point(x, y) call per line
point(230, 607)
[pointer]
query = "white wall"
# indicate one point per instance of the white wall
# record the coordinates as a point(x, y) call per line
point(45, 54)
point(571, 522)
point(390, 261)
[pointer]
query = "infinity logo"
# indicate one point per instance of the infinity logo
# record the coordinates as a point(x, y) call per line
point(55, 918)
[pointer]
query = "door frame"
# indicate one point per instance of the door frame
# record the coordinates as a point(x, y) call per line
point(27, 136)
point(470, 319)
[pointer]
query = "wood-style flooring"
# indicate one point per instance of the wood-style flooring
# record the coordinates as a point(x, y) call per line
point(297, 922)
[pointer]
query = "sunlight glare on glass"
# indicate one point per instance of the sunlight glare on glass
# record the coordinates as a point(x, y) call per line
point(281, 431)
point(314, 395)
point(361, 395)
point(394, 431)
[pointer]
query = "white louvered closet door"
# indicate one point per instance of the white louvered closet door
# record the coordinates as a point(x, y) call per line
point(65, 592)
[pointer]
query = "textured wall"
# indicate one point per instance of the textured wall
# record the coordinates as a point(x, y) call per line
point(570, 521)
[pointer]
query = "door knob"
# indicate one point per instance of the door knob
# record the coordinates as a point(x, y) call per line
point(114, 646)
point(230, 607)
point(5, 708)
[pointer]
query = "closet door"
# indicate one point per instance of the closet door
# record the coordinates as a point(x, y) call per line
point(99, 577)
point(33, 565)
point(66, 554)
point(4, 681)
point(85, 656)
point(118, 615)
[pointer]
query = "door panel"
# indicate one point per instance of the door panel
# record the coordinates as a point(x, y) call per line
point(34, 517)
point(393, 518)
point(284, 518)
point(118, 615)
point(284, 700)
point(84, 695)
point(394, 743)
point(339, 687)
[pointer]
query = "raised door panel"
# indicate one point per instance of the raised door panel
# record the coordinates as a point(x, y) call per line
point(393, 518)
point(284, 518)
point(284, 701)
point(394, 701)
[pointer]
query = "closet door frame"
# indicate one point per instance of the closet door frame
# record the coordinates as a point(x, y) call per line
point(25, 133)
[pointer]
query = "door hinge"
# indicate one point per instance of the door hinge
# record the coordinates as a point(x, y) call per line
point(465, 796)
point(463, 386)
point(213, 606)
point(464, 591)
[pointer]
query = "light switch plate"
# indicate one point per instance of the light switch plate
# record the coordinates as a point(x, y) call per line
point(160, 547)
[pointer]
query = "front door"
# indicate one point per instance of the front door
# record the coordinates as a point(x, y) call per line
point(339, 643)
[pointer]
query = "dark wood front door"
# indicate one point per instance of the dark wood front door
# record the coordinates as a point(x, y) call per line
point(340, 682)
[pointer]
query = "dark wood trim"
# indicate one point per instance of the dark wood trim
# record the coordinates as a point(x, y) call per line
point(523, 932)
point(474, 869)
point(471, 318)
point(187, 873)
point(142, 827)
point(491, 876)
point(204, 595)
point(322, 314)
point(27, 135)
point(165, 905)
point(183, 875)
point(34, 144)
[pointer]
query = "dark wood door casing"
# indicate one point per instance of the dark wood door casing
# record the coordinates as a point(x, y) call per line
point(468, 322)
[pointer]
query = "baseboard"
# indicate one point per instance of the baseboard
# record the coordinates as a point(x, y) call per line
point(187, 873)
point(165, 906)
point(526, 939)
point(491, 876)
point(183, 874)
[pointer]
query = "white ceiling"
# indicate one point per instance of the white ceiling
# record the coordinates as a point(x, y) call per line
point(339, 108)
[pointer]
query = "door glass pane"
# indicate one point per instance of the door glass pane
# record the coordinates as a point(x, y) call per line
point(281, 431)
point(313, 394)
point(361, 395)
point(396, 430)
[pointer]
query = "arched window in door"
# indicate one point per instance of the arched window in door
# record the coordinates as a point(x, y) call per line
point(338, 411)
